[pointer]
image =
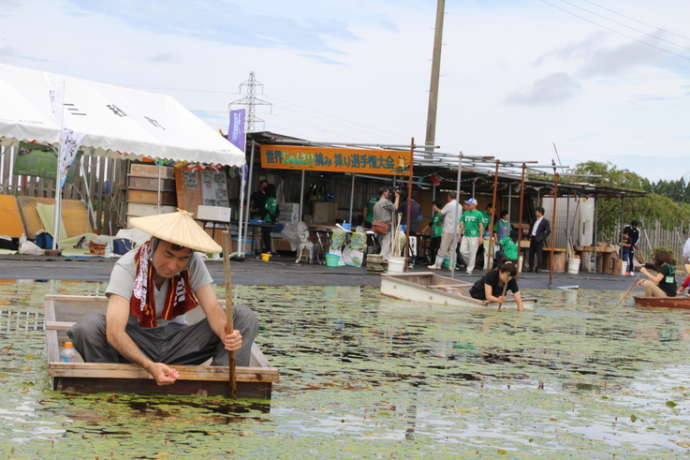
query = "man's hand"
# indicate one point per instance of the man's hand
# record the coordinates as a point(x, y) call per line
point(163, 374)
point(233, 340)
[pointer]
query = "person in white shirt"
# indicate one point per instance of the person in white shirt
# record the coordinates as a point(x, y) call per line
point(451, 233)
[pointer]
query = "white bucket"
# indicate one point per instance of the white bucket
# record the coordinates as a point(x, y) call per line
point(574, 266)
point(396, 264)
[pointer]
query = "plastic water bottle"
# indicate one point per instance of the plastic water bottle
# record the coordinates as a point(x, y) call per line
point(67, 352)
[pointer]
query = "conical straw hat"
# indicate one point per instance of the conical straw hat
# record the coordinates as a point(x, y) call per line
point(177, 228)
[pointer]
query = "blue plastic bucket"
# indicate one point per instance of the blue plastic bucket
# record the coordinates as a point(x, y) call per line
point(332, 260)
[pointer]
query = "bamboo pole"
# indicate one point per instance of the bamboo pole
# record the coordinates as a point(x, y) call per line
point(458, 210)
point(408, 211)
point(555, 228)
point(492, 220)
point(521, 210)
point(229, 326)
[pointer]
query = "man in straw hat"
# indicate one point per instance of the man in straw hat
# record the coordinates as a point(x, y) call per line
point(150, 290)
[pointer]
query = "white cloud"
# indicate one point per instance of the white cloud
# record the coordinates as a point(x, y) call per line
point(553, 89)
point(621, 100)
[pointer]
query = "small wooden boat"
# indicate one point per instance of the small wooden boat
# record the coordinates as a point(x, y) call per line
point(61, 311)
point(429, 287)
point(663, 302)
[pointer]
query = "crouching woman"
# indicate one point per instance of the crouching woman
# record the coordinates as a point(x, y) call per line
point(494, 284)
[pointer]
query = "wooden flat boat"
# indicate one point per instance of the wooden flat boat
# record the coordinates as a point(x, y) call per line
point(428, 287)
point(663, 302)
point(61, 311)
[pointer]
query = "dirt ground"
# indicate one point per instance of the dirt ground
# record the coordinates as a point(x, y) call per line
point(279, 271)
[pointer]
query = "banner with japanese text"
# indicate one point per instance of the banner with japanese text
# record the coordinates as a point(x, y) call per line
point(386, 162)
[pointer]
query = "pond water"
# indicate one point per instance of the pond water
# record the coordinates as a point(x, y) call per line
point(364, 376)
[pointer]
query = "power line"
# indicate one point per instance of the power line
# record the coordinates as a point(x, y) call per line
point(634, 29)
point(252, 87)
point(646, 43)
point(636, 20)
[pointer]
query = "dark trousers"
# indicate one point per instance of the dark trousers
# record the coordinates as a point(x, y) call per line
point(266, 238)
point(627, 255)
point(173, 343)
point(536, 254)
point(434, 244)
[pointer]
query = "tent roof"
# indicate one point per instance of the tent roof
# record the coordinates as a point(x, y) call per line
point(116, 121)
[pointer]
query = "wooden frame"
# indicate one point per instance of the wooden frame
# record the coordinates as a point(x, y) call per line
point(61, 311)
point(432, 288)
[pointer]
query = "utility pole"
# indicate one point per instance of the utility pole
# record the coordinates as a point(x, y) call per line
point(249, 90)
point(435, 75)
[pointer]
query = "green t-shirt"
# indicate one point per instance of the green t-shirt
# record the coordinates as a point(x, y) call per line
point(437, 225)
point(271, 210)
point(370, 208)
point(471, 220)
point(509, 248)
point(486, 218)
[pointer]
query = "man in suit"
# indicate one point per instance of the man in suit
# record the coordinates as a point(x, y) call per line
point(539, 232)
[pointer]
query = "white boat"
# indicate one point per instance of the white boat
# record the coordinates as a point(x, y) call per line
point(428, 287)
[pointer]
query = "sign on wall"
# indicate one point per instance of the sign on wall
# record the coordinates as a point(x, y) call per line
point(387, 162)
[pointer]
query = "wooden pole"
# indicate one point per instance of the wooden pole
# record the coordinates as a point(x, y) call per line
point(408, 211)
point(228, 312)
point(492, 220)
point(554, 229)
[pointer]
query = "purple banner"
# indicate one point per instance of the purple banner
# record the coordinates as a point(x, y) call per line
point(236, 133)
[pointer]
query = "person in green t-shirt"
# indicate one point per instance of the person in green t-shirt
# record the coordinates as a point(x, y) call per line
point(509, 249)
point(661, 276)
point(270, 216)
point(436, 231)
point(472, 227)
point(370, 210)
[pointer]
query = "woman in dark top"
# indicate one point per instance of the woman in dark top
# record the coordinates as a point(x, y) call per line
point(494, 284)
point(661, 276)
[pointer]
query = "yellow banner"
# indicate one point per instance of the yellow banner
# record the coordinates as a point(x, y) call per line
point(388, 162)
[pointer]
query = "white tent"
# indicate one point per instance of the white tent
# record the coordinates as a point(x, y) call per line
point(115, 121)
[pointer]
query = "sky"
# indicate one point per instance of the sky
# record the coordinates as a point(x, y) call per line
point(603, 80)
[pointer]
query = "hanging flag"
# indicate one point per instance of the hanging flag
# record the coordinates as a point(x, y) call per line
point(69, 146)
point(236, 132)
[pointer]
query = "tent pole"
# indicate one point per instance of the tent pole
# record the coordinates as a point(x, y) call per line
point(58, 202)
point(352, 198)
point(240, 216)
point(249, 187)
point(301, 195)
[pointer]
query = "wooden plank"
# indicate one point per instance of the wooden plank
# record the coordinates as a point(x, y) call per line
point(146, 197)
point(52, 344)
point(142, 170)
point(254, 390)
point(59, 325)
point(188, 185)
point(151, 184)
point(133, 371)
point(141, 209)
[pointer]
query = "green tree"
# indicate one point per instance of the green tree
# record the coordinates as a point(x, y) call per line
point(663, 203)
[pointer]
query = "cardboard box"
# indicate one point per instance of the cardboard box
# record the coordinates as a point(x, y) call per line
point(323, 212)
point(289, 213)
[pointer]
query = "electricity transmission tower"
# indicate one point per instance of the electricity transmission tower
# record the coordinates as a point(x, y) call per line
point(249, 90)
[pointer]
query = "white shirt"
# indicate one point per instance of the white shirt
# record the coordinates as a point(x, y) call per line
point(536, 225)
point(450, 216)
